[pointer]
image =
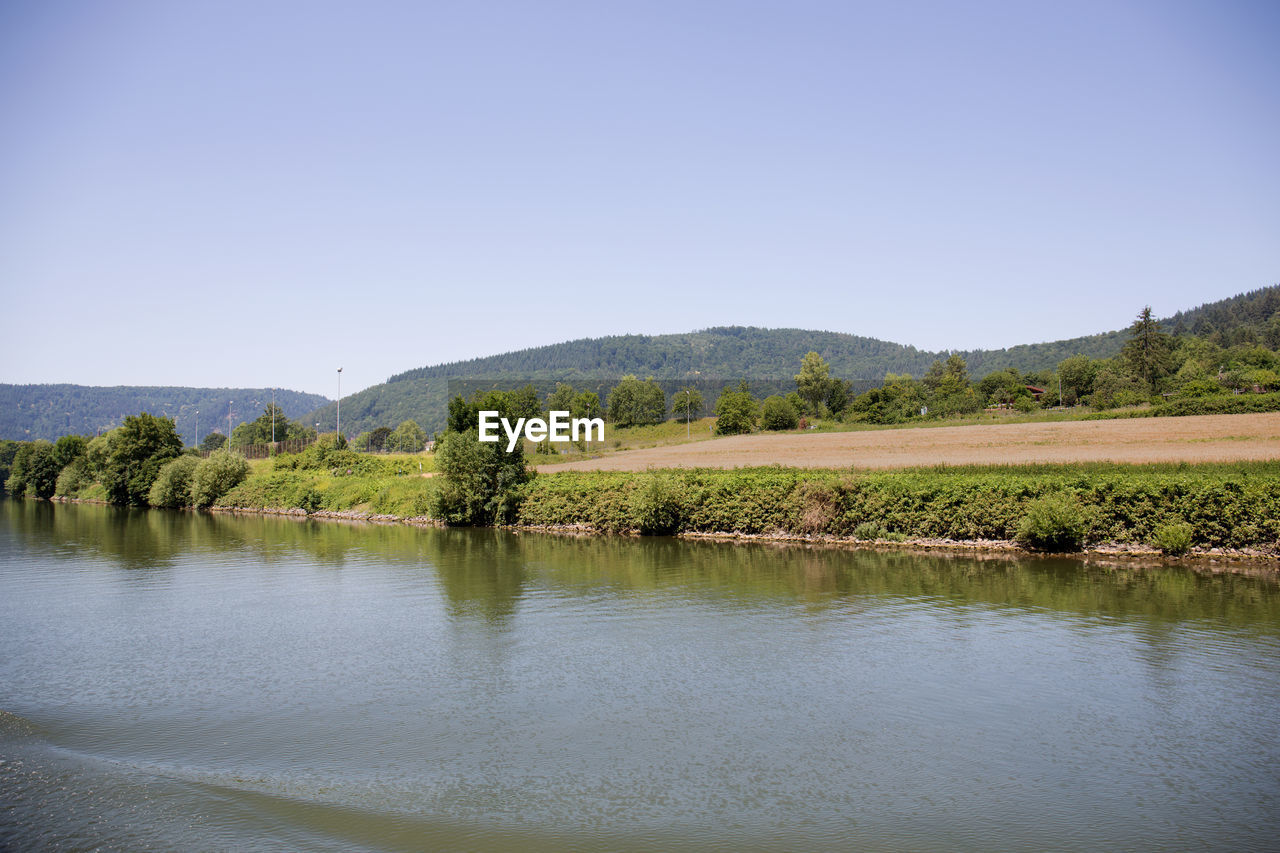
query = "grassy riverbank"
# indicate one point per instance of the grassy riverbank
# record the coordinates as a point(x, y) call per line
point(1233, 505)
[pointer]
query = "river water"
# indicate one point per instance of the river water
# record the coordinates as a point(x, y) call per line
point(182, 681)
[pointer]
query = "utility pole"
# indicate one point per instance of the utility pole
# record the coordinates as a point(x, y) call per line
point(273, 416)
point(688, 412)
point(228, 424)
point(197, 427)
point(338, 439)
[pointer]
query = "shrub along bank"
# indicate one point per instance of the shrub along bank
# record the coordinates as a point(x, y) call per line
point(1047, 507)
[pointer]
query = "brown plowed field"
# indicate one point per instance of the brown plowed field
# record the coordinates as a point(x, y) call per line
point(1203, 438)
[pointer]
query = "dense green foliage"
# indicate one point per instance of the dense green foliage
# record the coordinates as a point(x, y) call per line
point(272, 422)
point(1226, 505)
point(172, 487)
point(136, 453)
point(1235, 404)
point(1053, 522)
point(217, 475)
point(636, 403)
point(212, 442)
point(737, 411)
point(686, 404)
point(50, 411)
point(481, 481)
point(33, 471)
point(1174, 538)
point(778, 413)
point(408, 437)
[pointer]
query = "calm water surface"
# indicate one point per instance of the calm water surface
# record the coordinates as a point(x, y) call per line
point(175, 681)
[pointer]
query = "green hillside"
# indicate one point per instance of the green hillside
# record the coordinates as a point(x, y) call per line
point(726, 354)
point(49, 411)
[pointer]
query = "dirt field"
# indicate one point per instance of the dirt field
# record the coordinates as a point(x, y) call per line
point(1204, 438)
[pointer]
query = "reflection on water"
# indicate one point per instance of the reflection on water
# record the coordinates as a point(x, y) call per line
point(174, 680)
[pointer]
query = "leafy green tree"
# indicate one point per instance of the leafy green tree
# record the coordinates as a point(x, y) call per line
point(1113, 388)
point(8, 450)
point(586, 405)
point(138, 450)
point(839, 395)
point(898, 400)
point(408, 438)
point(636, 403)
point(42, 470)
point(462, 415)
point(97, 455)
point(1148, 350)
point(778, 414)
point(68, 448)
point(73, 478)
point(1003, 387)
point(217, 475)
point(512, 404)
point(945, 379)
point(272, 422)
point(16, 483)
point(212, 442)
point(686, 404)
point(736, 411)
point(1077, 374)
point(34, 470)
point(481, 482)
point(378, 438)
point(561, 399)
point(813, 381)
point(172, 487)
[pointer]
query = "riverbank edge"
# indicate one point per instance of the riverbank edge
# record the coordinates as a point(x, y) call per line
point(1250, 561)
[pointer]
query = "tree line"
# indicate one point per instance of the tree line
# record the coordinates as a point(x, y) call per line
point(141, 463)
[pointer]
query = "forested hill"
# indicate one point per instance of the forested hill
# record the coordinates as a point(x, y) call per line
point(736, 352)
point(49, 411)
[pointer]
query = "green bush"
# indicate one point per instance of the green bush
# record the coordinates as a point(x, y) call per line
point(736, 412)
point(1227, 404)
point(869, 531)
point(779, 414)
point(481, 483)
point(172, 487)
point(1174, 538)
point(1025, 405)
point(1055, 522)
point(309, 501)
point(658, 505)
point(217, 475)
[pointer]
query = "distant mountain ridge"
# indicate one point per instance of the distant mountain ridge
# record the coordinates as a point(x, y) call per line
point(727, 352)
point(29, 412)
point(733, 352)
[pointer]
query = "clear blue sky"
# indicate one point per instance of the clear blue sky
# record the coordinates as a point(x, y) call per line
point(256, 193)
